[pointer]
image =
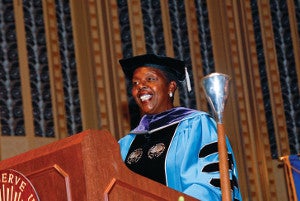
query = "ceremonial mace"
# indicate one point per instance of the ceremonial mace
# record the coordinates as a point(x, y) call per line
point(216, 87)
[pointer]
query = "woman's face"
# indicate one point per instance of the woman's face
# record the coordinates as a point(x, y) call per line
point(151, 90)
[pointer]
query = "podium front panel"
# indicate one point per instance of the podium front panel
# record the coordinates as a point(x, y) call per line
point(86, 167)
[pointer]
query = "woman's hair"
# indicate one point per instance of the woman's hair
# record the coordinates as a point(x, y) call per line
point(170, 77)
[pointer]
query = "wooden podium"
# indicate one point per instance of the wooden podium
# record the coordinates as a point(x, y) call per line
point(86, 167)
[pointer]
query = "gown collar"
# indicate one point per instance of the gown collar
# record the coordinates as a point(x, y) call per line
point(149, 123)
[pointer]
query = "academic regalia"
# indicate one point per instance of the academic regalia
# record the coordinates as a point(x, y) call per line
point(188, 155)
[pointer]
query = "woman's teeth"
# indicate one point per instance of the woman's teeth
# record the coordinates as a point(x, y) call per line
point(145, 97)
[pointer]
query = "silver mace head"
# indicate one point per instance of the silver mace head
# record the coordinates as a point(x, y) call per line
point(216, 88)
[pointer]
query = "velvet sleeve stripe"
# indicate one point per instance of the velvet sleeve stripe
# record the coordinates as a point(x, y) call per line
point(214, 167)
point(217, 183)
point(208, 149)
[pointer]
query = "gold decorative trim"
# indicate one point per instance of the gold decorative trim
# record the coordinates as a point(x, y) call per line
point(168, 38)
point(136, 27)
point(167, 28)
point(246, 128)
point(98, 64)
point(273, 79)
point(121, 90)
point(84, 64)
point(195, 50)
point(24, 71)
point(260, 131)
point(56, 79)
point(295, 37)
point(106, 48)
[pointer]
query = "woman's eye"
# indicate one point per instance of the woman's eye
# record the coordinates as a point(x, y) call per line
point(135, 83)
point(150, 79)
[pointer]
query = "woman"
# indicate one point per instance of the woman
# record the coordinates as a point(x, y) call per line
point(175, 146)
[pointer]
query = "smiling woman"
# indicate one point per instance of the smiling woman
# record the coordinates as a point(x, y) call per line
point(175, 146)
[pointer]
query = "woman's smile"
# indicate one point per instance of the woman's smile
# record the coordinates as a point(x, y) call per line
point(145, 97)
